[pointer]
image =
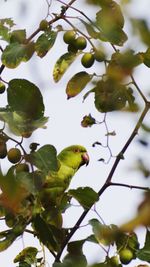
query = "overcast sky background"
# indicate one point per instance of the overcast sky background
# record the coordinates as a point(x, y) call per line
point(63, 129)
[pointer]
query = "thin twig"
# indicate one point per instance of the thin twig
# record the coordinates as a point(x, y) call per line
point(138, 89)
point(130, 186)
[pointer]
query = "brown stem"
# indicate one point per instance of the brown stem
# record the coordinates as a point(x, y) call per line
point(138, 89)
point(129, 186)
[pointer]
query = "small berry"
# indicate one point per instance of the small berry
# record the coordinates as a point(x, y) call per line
point(3, 150)
point(81, 43)
point(99, 56)
point(72, 48)
point(14, 155)
point(69, 37)
point(126, 255)
point(22, 167)
point(43, 25)
point(2, 88)
point(87, 60)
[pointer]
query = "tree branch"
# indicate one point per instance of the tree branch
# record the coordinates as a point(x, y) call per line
point(108, 180)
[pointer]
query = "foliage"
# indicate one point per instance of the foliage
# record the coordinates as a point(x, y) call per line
point(35, 191)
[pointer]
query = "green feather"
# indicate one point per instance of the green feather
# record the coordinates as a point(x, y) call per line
point(70, 159)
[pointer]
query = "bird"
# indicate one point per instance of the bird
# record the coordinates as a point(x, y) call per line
point(70, 160)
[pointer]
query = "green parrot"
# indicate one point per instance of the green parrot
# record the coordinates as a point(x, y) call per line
point(70, 159)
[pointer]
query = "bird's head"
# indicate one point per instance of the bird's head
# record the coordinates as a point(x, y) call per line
point(74, 156)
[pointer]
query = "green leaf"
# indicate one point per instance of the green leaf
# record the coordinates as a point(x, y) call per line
point(15, 53)
point(111, 21)
point(146, 57)
point(9, 236)
point(19, 124)
point(86, 196)
point(5, 28)
point(62, 64)
point(18, 36)
point(77, 83)
point(125, 240)
point(45, 42)
point(15, 188)
point(45, 159)
point(88, 121)
point(145, 127)
point(74, 257)
point(144, 253)
point(141, 26)
point(25, 97)
point(122, 64)
point(110, 96)
point(103, 233)
point(45, 233)
point(27, 255)
point(91, 31)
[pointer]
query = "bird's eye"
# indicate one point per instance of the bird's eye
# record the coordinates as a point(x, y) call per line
point(76, 150)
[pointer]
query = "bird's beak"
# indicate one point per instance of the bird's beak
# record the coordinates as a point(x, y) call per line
point(86, 158)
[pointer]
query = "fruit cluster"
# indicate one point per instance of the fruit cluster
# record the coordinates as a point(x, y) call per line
point(13, 155)
point(80, 43)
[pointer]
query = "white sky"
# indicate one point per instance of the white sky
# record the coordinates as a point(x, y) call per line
point(116, 204)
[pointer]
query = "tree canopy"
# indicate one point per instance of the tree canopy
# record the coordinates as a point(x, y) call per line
point(105, 49)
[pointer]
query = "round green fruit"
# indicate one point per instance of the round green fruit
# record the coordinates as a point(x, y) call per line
point(114, 261)
point(22, 167)
point(87, 60)
point(14, 155)
point(126, 256)
point(43, 25)
point(99, 56)
point(69, 37)
point(72, 48)
point(2, 88)
point(81, 43)
point(3, 150)
point(10, 220)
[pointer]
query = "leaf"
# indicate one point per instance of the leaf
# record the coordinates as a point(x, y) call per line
point(62, 64)
point(25, 97)
point(86, 196)
point(91, 31)
point(122, 64)
point(5, 28)
point(141, 26)
point(45, 159)
point(77, 83)
point(144, 253)
point(45, 42)
point(15, 188)
point(127, 240)
point(110, 96)
point(15, 53)
point(146, 57)
point(44, 233)
point(88, 121)
point(19, 124)
point(9, 236)
point(74, 257)
point(27, 255)
point(18, 36)
point(111, 21)
point(103, 233)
